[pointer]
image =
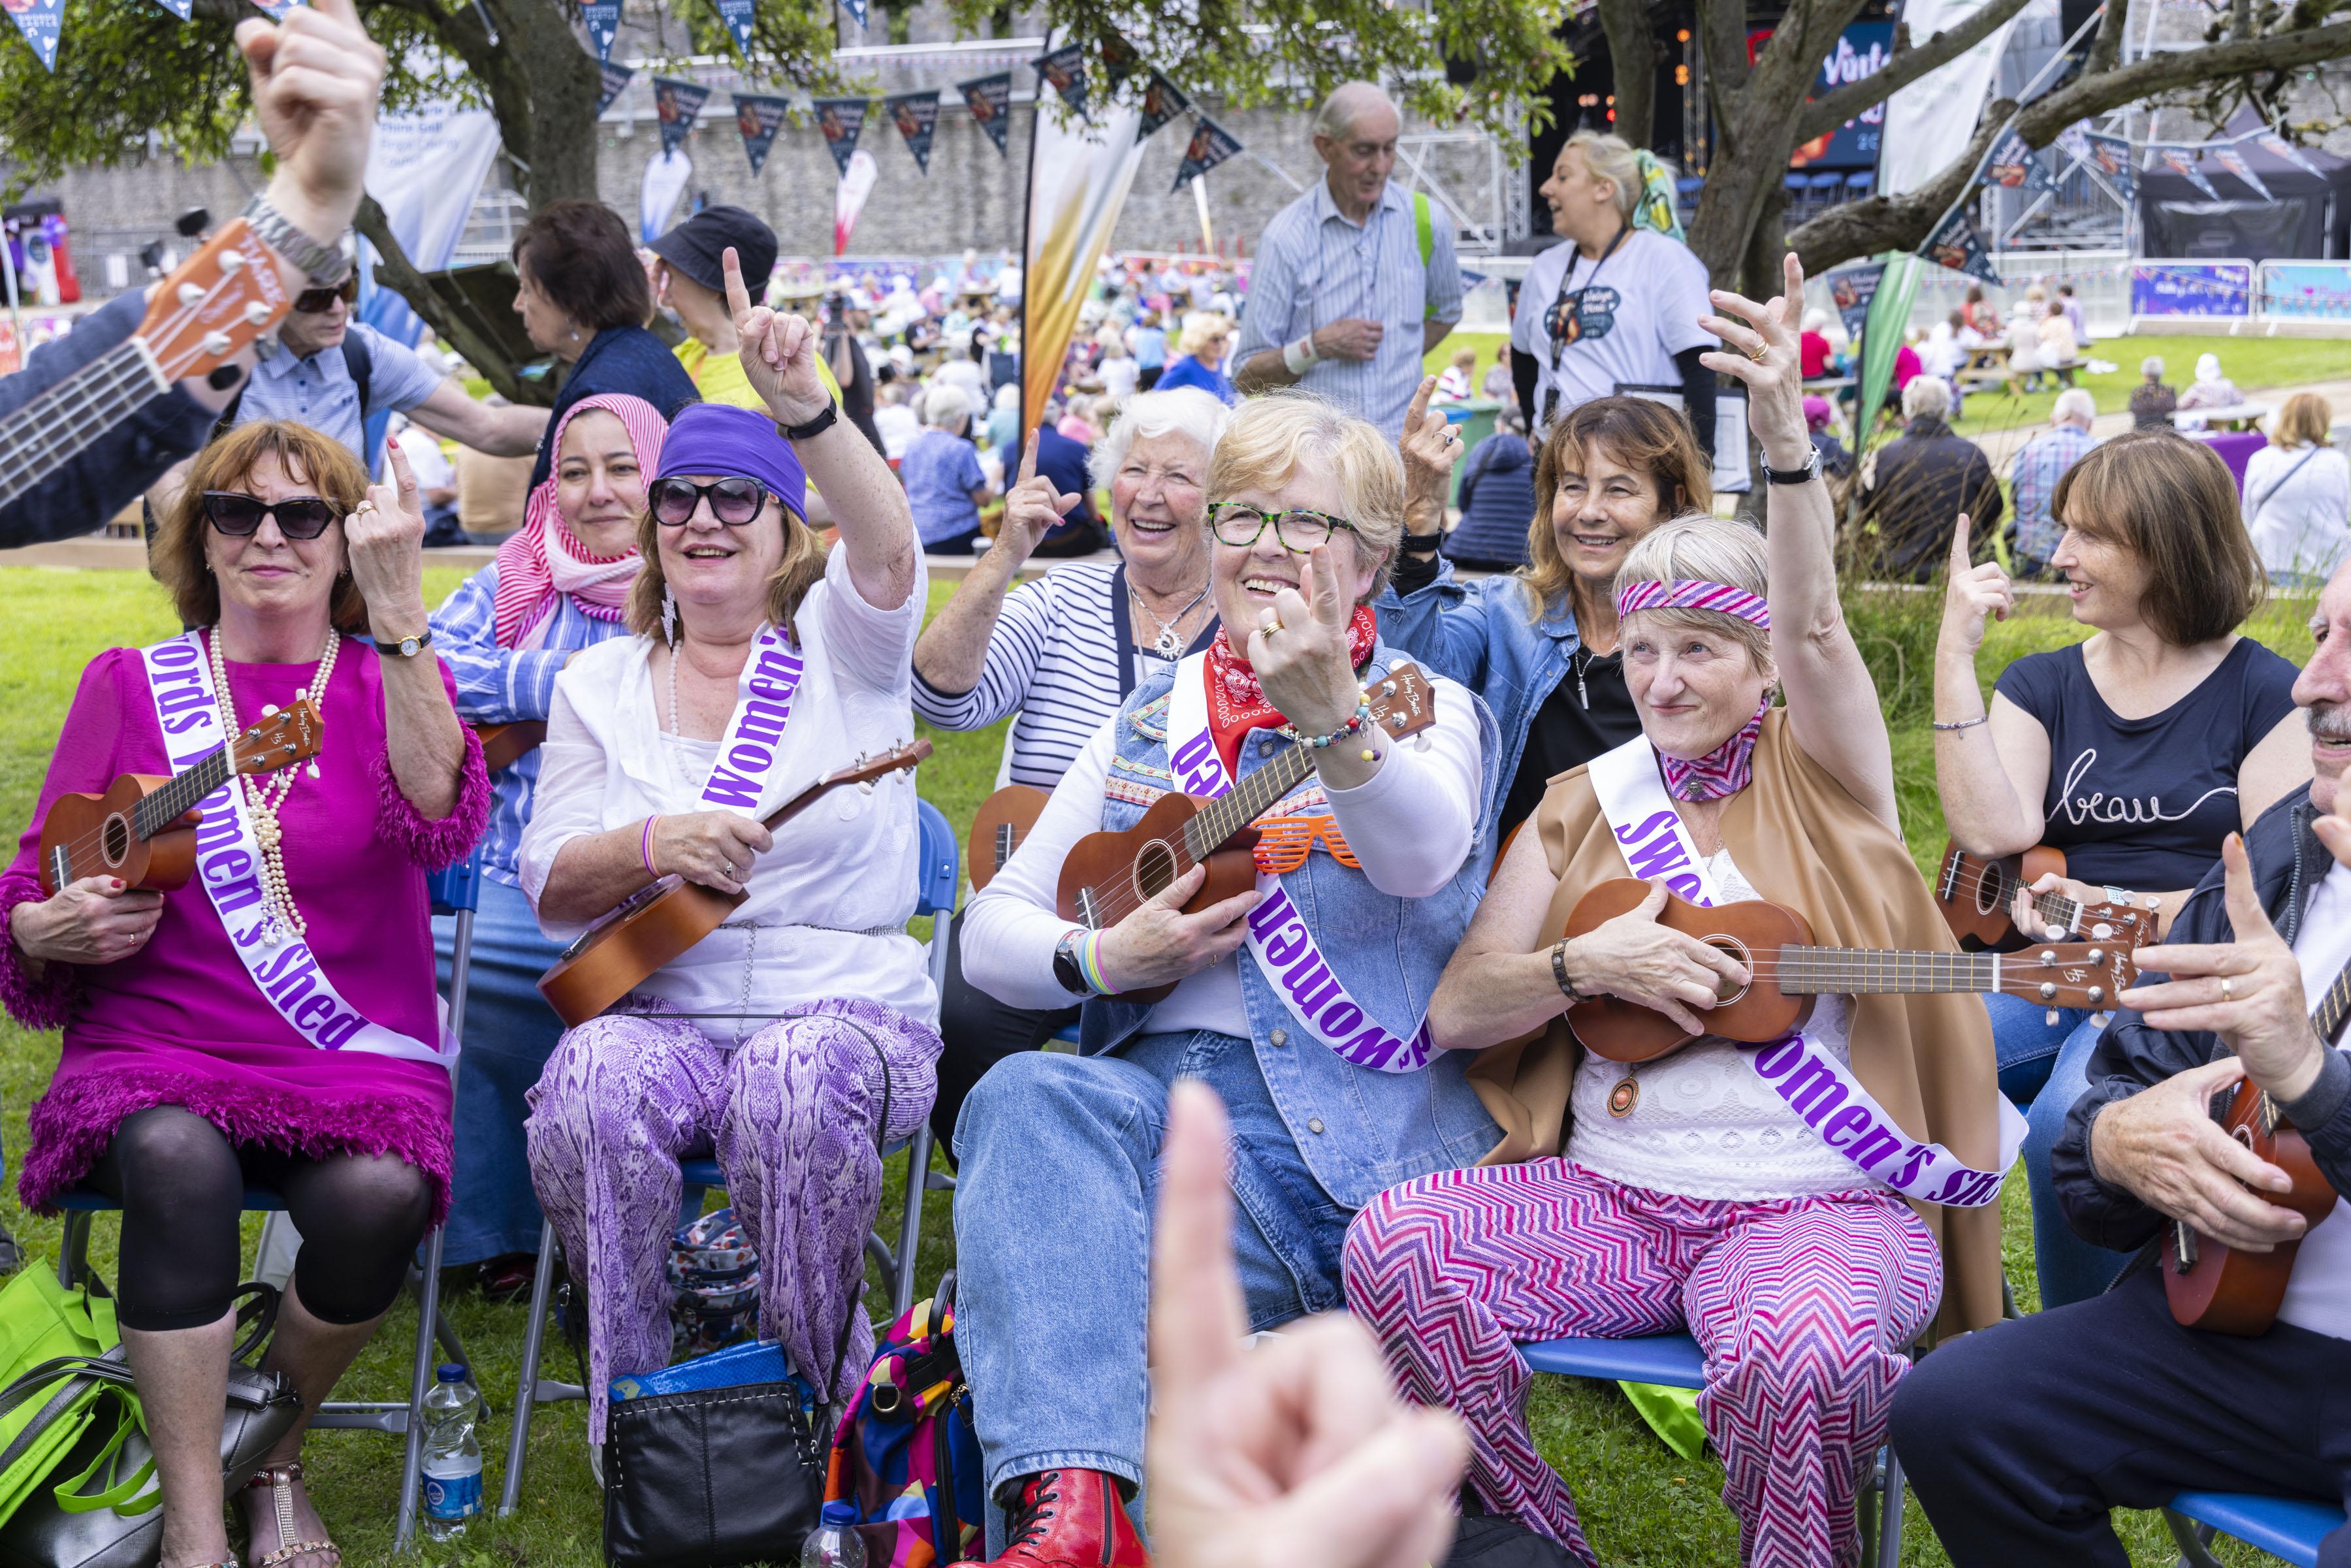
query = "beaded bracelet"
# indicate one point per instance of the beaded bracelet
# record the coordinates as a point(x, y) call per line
point(646, 845)
point(1353, 726)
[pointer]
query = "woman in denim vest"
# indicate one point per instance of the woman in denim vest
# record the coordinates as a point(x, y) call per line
point(1540, 645)
point(1299, 1002)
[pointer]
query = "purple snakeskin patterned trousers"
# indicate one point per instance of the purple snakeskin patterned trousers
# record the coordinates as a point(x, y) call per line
point(790, 1114)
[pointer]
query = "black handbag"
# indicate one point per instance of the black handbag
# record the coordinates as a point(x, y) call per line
point(714, 1478)
point(43, 1533)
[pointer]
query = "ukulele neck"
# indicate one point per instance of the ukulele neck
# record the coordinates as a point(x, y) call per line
point(2058, 910)
point(1862, 971)
point(61, 423)
point(179, 797)
point(1242, 804)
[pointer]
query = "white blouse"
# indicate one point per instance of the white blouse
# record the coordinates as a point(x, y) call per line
point(830, 902)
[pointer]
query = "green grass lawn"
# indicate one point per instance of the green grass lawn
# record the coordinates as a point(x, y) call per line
point(1641, 1504)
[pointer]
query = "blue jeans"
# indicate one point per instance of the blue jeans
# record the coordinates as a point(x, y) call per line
point(1054, 1205)
point(509, 1032)
point(2043, 1069)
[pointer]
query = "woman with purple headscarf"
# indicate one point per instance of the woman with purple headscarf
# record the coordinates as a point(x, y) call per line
point(784, 1042)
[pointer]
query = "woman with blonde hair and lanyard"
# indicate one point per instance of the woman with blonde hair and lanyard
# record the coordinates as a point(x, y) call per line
point(1698, 1190)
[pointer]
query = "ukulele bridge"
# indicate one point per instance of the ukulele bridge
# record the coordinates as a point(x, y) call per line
point(2183, 1248)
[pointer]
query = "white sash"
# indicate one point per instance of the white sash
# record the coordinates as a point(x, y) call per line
point(228, 863)
point(1821, 1089)
point(748, 746)
point(1279, 939)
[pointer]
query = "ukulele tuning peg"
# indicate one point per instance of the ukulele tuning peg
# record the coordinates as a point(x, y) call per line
point(2047, 957)
point(231, 262)
point(216, 344)
point(2048, 990)
point(191, 295)
point(2098, 995)
point(2098, 954)
point(255, 313)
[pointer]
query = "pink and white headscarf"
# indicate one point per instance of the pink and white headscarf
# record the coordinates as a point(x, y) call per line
point(1728, 768)
point(544, 561)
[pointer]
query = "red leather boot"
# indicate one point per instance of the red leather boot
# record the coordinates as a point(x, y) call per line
point(1070, 1519)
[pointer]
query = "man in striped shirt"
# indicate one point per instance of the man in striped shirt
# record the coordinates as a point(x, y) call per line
point(1356, 280)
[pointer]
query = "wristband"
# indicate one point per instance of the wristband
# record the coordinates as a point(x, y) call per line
point(1299, 355)
point(1088, 953)
point(1964, 723)
point(646, 846)
point(1559, 973)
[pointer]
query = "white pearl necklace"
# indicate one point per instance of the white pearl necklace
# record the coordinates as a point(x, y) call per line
point(262, 800)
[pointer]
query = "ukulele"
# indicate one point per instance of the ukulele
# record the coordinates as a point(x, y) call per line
point(2214, 1286)
point(634, 939)
point(219, 302)
point(143, 828)
point(503, 743)
point(1106, 876)
point(1975, 895)
point(1003, 820)
point(1786, 972)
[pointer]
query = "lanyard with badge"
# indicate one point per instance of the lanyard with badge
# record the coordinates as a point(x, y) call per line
point(1579, 313)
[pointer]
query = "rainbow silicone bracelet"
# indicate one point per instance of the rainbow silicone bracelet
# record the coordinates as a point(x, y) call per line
point(1088, 956)
point(646, 845)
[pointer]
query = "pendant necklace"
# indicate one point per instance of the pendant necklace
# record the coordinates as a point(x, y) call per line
point(1169, 643)
point(263, 800)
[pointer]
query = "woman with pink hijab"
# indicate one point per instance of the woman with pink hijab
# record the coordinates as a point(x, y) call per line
point(559, 585)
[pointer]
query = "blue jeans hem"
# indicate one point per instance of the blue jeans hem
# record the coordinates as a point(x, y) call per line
point(1126, 1469)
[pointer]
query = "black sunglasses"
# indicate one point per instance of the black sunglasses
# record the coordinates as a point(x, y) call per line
point(238, 514)
point(317, 301)
point(733, 502)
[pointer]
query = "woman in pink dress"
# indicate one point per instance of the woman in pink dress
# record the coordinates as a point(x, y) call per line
point(274, 1022)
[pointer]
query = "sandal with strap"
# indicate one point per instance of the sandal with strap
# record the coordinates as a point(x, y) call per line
point(280, 1480)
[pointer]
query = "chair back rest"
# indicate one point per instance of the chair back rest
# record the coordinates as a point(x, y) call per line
point(935, 886)
point(458, 886)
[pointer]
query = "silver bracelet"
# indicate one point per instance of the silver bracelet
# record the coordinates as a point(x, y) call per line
point(324, 264)
point(1559, 974)
point(1964, 723)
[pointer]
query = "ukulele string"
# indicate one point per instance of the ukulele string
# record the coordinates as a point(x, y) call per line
point(75, 847)
point(1126, 894)
point(1970, 883)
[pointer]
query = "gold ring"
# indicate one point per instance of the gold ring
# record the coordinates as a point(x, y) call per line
point(1758, 351)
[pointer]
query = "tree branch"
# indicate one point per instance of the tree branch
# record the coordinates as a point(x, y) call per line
point(449, 314)
point(1633, 55)
point(1824, 115)
point(2105, 48)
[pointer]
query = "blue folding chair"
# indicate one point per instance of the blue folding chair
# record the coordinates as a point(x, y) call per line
point(934, 895)
point(2283, 1527)
point(455, 890)
point(1674, 1361)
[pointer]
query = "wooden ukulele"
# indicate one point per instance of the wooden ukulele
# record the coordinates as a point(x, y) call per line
point(1106, 876)
point(1976, 894)
point(1002, 820)
point(637, 937)
point(219, 302)
point(2218, 1287)
point(503, 743)
point(1787, 971)
point(143, 828)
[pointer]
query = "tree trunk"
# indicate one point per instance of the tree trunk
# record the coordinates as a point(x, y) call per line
point(1633, 55)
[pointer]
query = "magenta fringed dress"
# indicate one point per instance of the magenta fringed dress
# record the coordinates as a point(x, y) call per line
point(180, 1023)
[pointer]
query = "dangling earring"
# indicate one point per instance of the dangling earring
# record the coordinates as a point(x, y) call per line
point(669, 616)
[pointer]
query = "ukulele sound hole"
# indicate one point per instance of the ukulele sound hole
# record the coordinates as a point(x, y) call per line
point(115, 840)
point(1725, 993)
point(1155, 868)
point(1991, 890)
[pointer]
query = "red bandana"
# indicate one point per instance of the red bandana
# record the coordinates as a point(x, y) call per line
point(1237, 702)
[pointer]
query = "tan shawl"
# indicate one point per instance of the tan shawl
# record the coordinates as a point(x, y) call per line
point(1803, 841)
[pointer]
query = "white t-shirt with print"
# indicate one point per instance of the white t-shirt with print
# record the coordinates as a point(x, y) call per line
point(1641, 308)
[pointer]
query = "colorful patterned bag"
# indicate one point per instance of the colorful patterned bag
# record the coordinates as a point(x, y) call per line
point(714, 1277)
point(906, 1455)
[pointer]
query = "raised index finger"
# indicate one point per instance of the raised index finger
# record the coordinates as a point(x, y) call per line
point(738, 299)
point(1196, 1317)
point(1959, 552)
point(1419, 404)
point(1029, 456)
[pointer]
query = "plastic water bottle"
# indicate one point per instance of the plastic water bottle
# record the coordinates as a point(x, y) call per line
point(452, 1457)
point(834, 1542)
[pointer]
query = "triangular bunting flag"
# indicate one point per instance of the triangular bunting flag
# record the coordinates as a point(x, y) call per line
point(737, 16)
point(1956, 244)
point(2013, 165)
point(179, 9)
point(38, 20)
point(615, 79)
point(838, 120)
point(856, 9)
point(2183, 163)
point(1210, 145)
point(675, 105)
point(758, 118)
point(1851, 289)
point(2279, 146)
point(1162, 101)
point(1064, 70)
point(1119, 61)
point(2111, 156)
point(989, 99)
point(916, 115)
point(604, 19)
point(276, 9)
point(2234, 162)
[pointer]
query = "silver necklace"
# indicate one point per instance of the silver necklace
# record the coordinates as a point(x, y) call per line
point(1169, 643)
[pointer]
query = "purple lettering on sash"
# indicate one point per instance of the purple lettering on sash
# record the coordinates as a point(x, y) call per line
point(218, 830)
point(320, 1005)
point(182, 762)
point(1284, 946)
point(1686, 886)
point(1187, 756)
point(777, 665)
point(1778, 1057)
point(772, 691)
point(1811, 1091)
point(1843, 1127)
point(1312, 984)
point(1372, 1048)
point(1656, 857)
point(745, 758)
point(178, 651)
point(335, 1034)
point(232, 898)
point(295, 962)
point(182, 700)
point(1873, 1146)
point(1275, 911)
point(725, 789)
point(763, 722)
point(1342, 1017)
point(1658, 821)
point(225, 866)
point(1909, 1170)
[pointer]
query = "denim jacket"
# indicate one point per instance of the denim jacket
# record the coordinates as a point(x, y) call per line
point(1479, 634)
point(1361, 1131)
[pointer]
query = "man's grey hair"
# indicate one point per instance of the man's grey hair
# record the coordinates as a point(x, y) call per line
point(1926, 397)
point(1344, 109)
point(2074, 403)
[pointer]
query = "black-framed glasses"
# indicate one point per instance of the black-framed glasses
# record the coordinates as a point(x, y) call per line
point(318, 301)
point(1240, 525)
point(238, 514)
point(733, 501)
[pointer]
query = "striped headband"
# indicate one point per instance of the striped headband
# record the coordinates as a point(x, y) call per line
point(1694, 594)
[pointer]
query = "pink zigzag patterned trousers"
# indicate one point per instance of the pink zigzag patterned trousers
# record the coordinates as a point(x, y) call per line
point(1802, 1307)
